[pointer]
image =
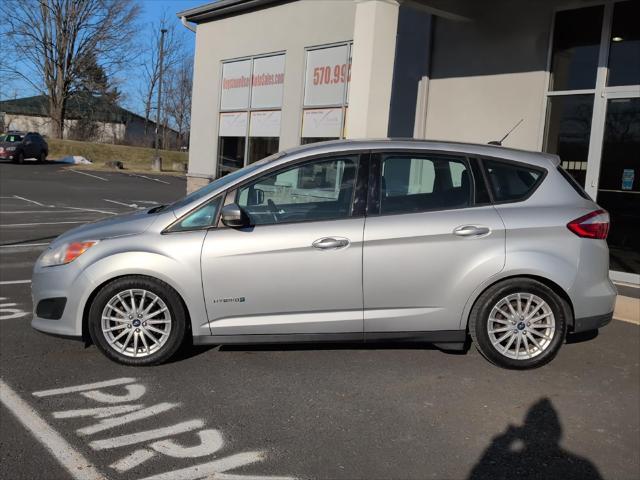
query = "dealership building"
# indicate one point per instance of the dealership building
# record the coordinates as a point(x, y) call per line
point(274, 74)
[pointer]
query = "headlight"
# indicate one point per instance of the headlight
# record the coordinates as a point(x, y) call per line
point(65, 253)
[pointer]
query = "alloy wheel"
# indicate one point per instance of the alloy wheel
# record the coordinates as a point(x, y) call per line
point(521, 326)
point(136, 323)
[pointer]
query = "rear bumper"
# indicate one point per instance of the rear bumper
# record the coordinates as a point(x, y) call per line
point(591, 323)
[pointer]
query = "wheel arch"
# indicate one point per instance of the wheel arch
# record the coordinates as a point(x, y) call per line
point(555, 287)
point(87, 304)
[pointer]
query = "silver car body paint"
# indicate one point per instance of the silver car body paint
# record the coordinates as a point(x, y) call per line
point(399, 273)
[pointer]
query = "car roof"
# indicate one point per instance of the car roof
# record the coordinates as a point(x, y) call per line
point(482, 150)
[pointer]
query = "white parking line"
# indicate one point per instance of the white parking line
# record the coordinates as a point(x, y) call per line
point(148, 178)
point(41, 223)
point(92, 210)
point(19, 245)
point(88, 175)
point(35, 211)
point(73, 461)
point(32, 201)
point(14, 282)
point(130, 205)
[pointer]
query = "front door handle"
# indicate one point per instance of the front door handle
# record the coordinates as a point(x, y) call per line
point(471, 231)
point(330, 243)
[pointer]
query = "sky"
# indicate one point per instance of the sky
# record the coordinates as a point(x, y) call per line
point(129, 82)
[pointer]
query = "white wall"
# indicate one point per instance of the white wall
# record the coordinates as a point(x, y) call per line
point(489, 73)
point(289, 27)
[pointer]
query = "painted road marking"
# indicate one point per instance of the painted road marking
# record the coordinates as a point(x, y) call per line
point(140, 437)
point(8, 313)
point(40, 223)
point(83, 388)
point(14, 282)
point(38, 211)
point(32, 201)
point(73, 461)
point(148, 178)
point(92, 210)
point(132, 205)
point(23, 245)
point(109, 423)
point(154, 442)
point(88, 175)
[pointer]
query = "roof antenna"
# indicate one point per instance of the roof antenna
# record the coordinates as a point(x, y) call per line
point(499, 142)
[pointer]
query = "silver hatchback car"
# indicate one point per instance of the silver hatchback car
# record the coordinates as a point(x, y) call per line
point(355, 241)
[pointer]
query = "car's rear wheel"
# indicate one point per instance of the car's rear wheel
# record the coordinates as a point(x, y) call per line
point(519, 323)
point(42, 157)
point(20, 158)
point(137, 320)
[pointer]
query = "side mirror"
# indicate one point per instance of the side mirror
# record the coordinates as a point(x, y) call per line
point(233, 216)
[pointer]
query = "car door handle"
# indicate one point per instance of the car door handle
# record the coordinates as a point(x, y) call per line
point(471, 231)
point(330, 243)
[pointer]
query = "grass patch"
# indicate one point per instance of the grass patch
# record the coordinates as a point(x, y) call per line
point(133, 158)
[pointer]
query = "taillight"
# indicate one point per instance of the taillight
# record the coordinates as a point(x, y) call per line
point(592, 225)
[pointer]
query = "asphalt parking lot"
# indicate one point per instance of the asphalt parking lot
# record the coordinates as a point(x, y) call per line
point(314, 411)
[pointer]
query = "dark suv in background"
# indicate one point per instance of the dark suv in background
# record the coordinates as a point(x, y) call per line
point(18, 146)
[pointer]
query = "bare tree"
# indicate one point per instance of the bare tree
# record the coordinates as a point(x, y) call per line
point(173, 53)
point(55, 39)
point(178, 98)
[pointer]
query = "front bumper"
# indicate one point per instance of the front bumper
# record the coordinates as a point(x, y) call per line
point(56, 283)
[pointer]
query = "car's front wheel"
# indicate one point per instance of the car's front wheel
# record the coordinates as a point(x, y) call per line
point(519, 323)
point(137, 320)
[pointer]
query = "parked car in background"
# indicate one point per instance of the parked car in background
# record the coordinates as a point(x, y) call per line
point(19, 146)
point(344, 241)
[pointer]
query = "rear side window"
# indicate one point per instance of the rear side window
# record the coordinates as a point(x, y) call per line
point(414, 183)
point(574, 184)
point(510, 182)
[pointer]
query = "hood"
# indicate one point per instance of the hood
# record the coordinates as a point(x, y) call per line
point(116, 226)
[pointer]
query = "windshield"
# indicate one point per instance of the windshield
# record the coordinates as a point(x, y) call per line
point(11, 137)
point(221, 182)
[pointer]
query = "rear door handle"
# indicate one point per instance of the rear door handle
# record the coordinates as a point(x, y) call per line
point(330, 243)
point(471, 231)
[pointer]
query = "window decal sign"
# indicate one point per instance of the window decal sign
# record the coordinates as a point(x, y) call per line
point(233, 124)
point(268, 82)
point(628, 175)
point(327, 76)
point(235, 85)
point(265, 124)
point(322, 123)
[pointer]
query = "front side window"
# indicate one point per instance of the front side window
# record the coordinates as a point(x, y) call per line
point(412, 183)
point(510, 182)
point(203, 217)
point(319, 190)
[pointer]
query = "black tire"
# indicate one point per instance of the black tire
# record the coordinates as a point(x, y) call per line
point(174, 306)
point(42, 157)
point(20, 158)
point(479, 323)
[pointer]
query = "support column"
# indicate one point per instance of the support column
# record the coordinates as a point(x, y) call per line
point(373, 54)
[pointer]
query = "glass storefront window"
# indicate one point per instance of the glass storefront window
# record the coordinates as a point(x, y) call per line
point(568, 131)
point(619, 185)
point(262, 147)
point(624, 52)
point(576, 44)
point(231, 156)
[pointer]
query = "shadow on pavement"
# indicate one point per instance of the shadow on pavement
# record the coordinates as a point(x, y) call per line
point(533, 451)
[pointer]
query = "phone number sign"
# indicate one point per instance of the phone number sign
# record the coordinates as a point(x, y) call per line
point(327, 76)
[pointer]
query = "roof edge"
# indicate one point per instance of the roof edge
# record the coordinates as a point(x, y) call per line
point(214, 10)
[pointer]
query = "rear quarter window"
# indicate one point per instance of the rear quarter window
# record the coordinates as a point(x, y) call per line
point(510, 182)
point(574, 183)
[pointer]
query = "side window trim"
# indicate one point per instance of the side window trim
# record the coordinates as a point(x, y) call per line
point(376, 174)
point(231, 195)
point(477, 168)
